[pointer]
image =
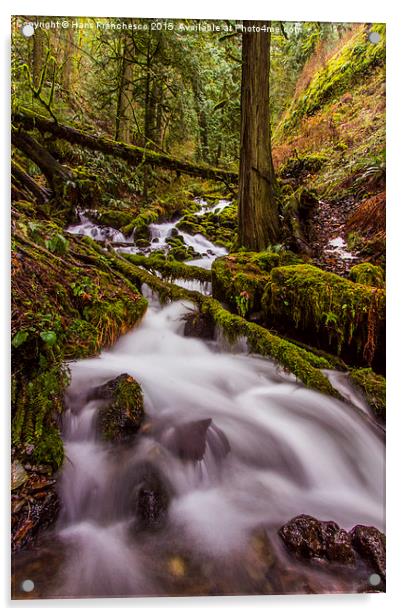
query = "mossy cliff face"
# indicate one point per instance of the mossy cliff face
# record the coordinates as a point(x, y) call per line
point(344, 317)
point(357, 58)
point(239, 280)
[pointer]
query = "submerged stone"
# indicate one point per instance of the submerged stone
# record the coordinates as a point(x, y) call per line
point(152, 496)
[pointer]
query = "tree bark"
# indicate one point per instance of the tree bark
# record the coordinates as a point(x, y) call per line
point(123, 132)
point(130, 153)
point(54, 172)
point(258, 215)
point(38, 52)
point(24, 180)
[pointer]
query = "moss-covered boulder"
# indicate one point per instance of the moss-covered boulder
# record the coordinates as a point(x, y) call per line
point(330, 312)
point(373, 387)
point(239, 279)
point(122, 411)
point(367, 273)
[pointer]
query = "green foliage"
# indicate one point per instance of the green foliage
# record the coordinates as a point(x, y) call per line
point(352, 63)
point(368, 274)
point(344, 314)
point(373, 386)
point(57, 244)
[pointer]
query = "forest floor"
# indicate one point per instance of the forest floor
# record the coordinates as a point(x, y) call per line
point(329, 237)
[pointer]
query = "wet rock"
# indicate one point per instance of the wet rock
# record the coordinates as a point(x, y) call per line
point(308, 537)
point(198, 326)
point(32, 514)
point(122, 412)
point(152, 497)
point(18, 475)
point(188, 441)
point(369, 542)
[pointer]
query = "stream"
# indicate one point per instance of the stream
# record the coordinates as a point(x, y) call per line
point(271, 449)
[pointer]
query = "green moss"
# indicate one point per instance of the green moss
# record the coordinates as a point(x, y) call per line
point(169, 268)
point(305, 365)
point(239, 279)
point(368, 274)
point(346, 317)
point(373, 387)
point(122, 417)
point(49, 450)
point(115, 218)
point(351, 64)
point(297, 166)
point(40, 402)
point(66, 304)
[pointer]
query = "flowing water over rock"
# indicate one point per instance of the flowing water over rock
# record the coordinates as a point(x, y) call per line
point(230, 450)
point(236, 446)
point(159, 234)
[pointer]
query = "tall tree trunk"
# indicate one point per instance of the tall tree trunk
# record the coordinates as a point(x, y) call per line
point(258, 214)
point(67, 74)
point(38, 52)
point(201, 116)
point(124, 102)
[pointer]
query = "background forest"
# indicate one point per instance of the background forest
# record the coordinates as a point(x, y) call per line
point(135, 148)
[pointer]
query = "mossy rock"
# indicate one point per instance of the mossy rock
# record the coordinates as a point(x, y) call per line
point(239, 279)
point(343, 317)
point(368, 274)
point(373, 386)
point(114, 218)
point(297, 166)
point(120, 418)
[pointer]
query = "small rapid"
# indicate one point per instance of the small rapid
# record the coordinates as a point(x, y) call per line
point(234, 445)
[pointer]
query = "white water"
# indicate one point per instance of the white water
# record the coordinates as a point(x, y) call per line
point(337, 247)
point(97, 232)
point(292, 451)
point(160, 233)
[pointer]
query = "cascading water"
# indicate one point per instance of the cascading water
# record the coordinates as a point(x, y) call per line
point(237, 448)
point(159, 234)
point(272, 450)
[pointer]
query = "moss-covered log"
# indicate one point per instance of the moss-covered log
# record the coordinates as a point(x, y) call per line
point(239, 279)
point(130, 153)
point(25, 181)
point(306, 366)
point(344, 317)
point(170, 269)
point(55, 173)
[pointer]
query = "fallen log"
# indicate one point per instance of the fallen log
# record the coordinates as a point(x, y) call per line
point(24, 180)
point(130, 153)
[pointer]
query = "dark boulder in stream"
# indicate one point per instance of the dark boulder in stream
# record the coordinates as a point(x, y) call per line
point(370, 543)
point(189, 441)
point(122, 410)
point(310, 538)
point(198, 325)
point(152, 494)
